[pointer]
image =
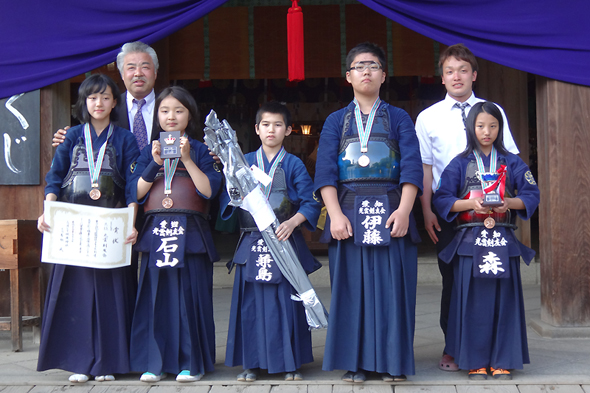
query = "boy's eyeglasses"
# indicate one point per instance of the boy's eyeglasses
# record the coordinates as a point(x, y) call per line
point(363, 65)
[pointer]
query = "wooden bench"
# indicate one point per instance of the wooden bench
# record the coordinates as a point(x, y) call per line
point(20, 248)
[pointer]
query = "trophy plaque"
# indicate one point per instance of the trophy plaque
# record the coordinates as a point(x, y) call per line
point(170, 144)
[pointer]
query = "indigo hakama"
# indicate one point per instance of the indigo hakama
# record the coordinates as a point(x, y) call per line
point(88, 312)
point(487, 325)
point(267, 328)
point(372, 311)
point(173, 327)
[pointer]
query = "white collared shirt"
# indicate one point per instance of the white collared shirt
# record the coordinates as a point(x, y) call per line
point(147, 111)
point(442, 136)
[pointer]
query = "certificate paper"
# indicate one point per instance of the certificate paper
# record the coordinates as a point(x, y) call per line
point(87, 236)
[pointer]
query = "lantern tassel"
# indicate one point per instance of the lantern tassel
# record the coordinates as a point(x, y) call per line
point(295, 42)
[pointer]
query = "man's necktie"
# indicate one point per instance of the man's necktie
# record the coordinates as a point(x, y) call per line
point(462, 106)
point(139, 130)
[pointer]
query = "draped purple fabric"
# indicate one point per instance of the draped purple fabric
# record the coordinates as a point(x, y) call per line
point(42, 42)
point(544, 37)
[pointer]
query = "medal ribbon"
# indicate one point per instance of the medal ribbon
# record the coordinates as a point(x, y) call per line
point(365, 132)
point(498, 177)
point(94, 167)
point(169, 170)
point(260, 163)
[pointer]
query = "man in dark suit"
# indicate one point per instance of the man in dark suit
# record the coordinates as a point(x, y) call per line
point(138, 65)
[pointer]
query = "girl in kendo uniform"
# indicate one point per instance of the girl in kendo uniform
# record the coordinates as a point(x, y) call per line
point(173, 329)
point(483, 190)
point(88, 312)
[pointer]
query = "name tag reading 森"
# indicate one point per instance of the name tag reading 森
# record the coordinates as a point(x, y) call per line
point(490, 253)
point(371, 215)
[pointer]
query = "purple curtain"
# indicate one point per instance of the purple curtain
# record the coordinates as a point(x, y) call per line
point(544, 37)
point(47, 41)
point(44, 41)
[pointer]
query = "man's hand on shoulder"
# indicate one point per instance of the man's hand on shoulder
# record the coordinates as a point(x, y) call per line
point(59, 136)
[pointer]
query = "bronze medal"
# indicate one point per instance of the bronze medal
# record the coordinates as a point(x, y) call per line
point(94, 194)
point(489, 223)
point(364, 160)
point(167, 202)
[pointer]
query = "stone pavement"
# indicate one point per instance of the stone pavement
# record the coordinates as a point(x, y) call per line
point(557, 365)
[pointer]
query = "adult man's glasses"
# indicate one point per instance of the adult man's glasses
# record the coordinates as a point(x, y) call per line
point(363, 65)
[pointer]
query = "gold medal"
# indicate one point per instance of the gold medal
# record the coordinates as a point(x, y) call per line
point(167, 202)
point(364, 160)
point(489, 223)
point(94, 194)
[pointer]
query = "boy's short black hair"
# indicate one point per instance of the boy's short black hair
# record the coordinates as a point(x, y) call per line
point(95, 83)
point(186, 99)
point(460, 52)
point(274, 107)
point(366, 47)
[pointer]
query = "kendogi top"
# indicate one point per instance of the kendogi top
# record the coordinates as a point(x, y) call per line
point(69, 175)
point(290, 192)
point(369, 165)
point(185, 199)
point(277, 193)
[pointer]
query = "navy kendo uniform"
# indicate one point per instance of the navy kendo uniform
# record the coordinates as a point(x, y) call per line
point(372, 311)
point(267, 329)
point(487, 325)
point(87, 317)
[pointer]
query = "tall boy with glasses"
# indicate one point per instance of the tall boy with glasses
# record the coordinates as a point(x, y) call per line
point(368, 173)
point(441, 132)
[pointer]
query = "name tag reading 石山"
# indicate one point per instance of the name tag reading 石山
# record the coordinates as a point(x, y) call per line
point(168, 242)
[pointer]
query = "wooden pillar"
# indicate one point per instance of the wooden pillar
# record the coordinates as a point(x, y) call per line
point(563, 116)
point(26, 202)
point(508, 87)
point(162, 49)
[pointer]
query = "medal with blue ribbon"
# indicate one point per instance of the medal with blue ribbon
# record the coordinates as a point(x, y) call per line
point(94, 167)
point(169, 170)
point(365, 132)
point(260, 164)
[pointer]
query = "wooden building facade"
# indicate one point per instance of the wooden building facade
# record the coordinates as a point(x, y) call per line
point(240, 49)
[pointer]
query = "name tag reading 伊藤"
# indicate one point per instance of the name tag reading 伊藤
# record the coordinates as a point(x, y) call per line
point(371, 215)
